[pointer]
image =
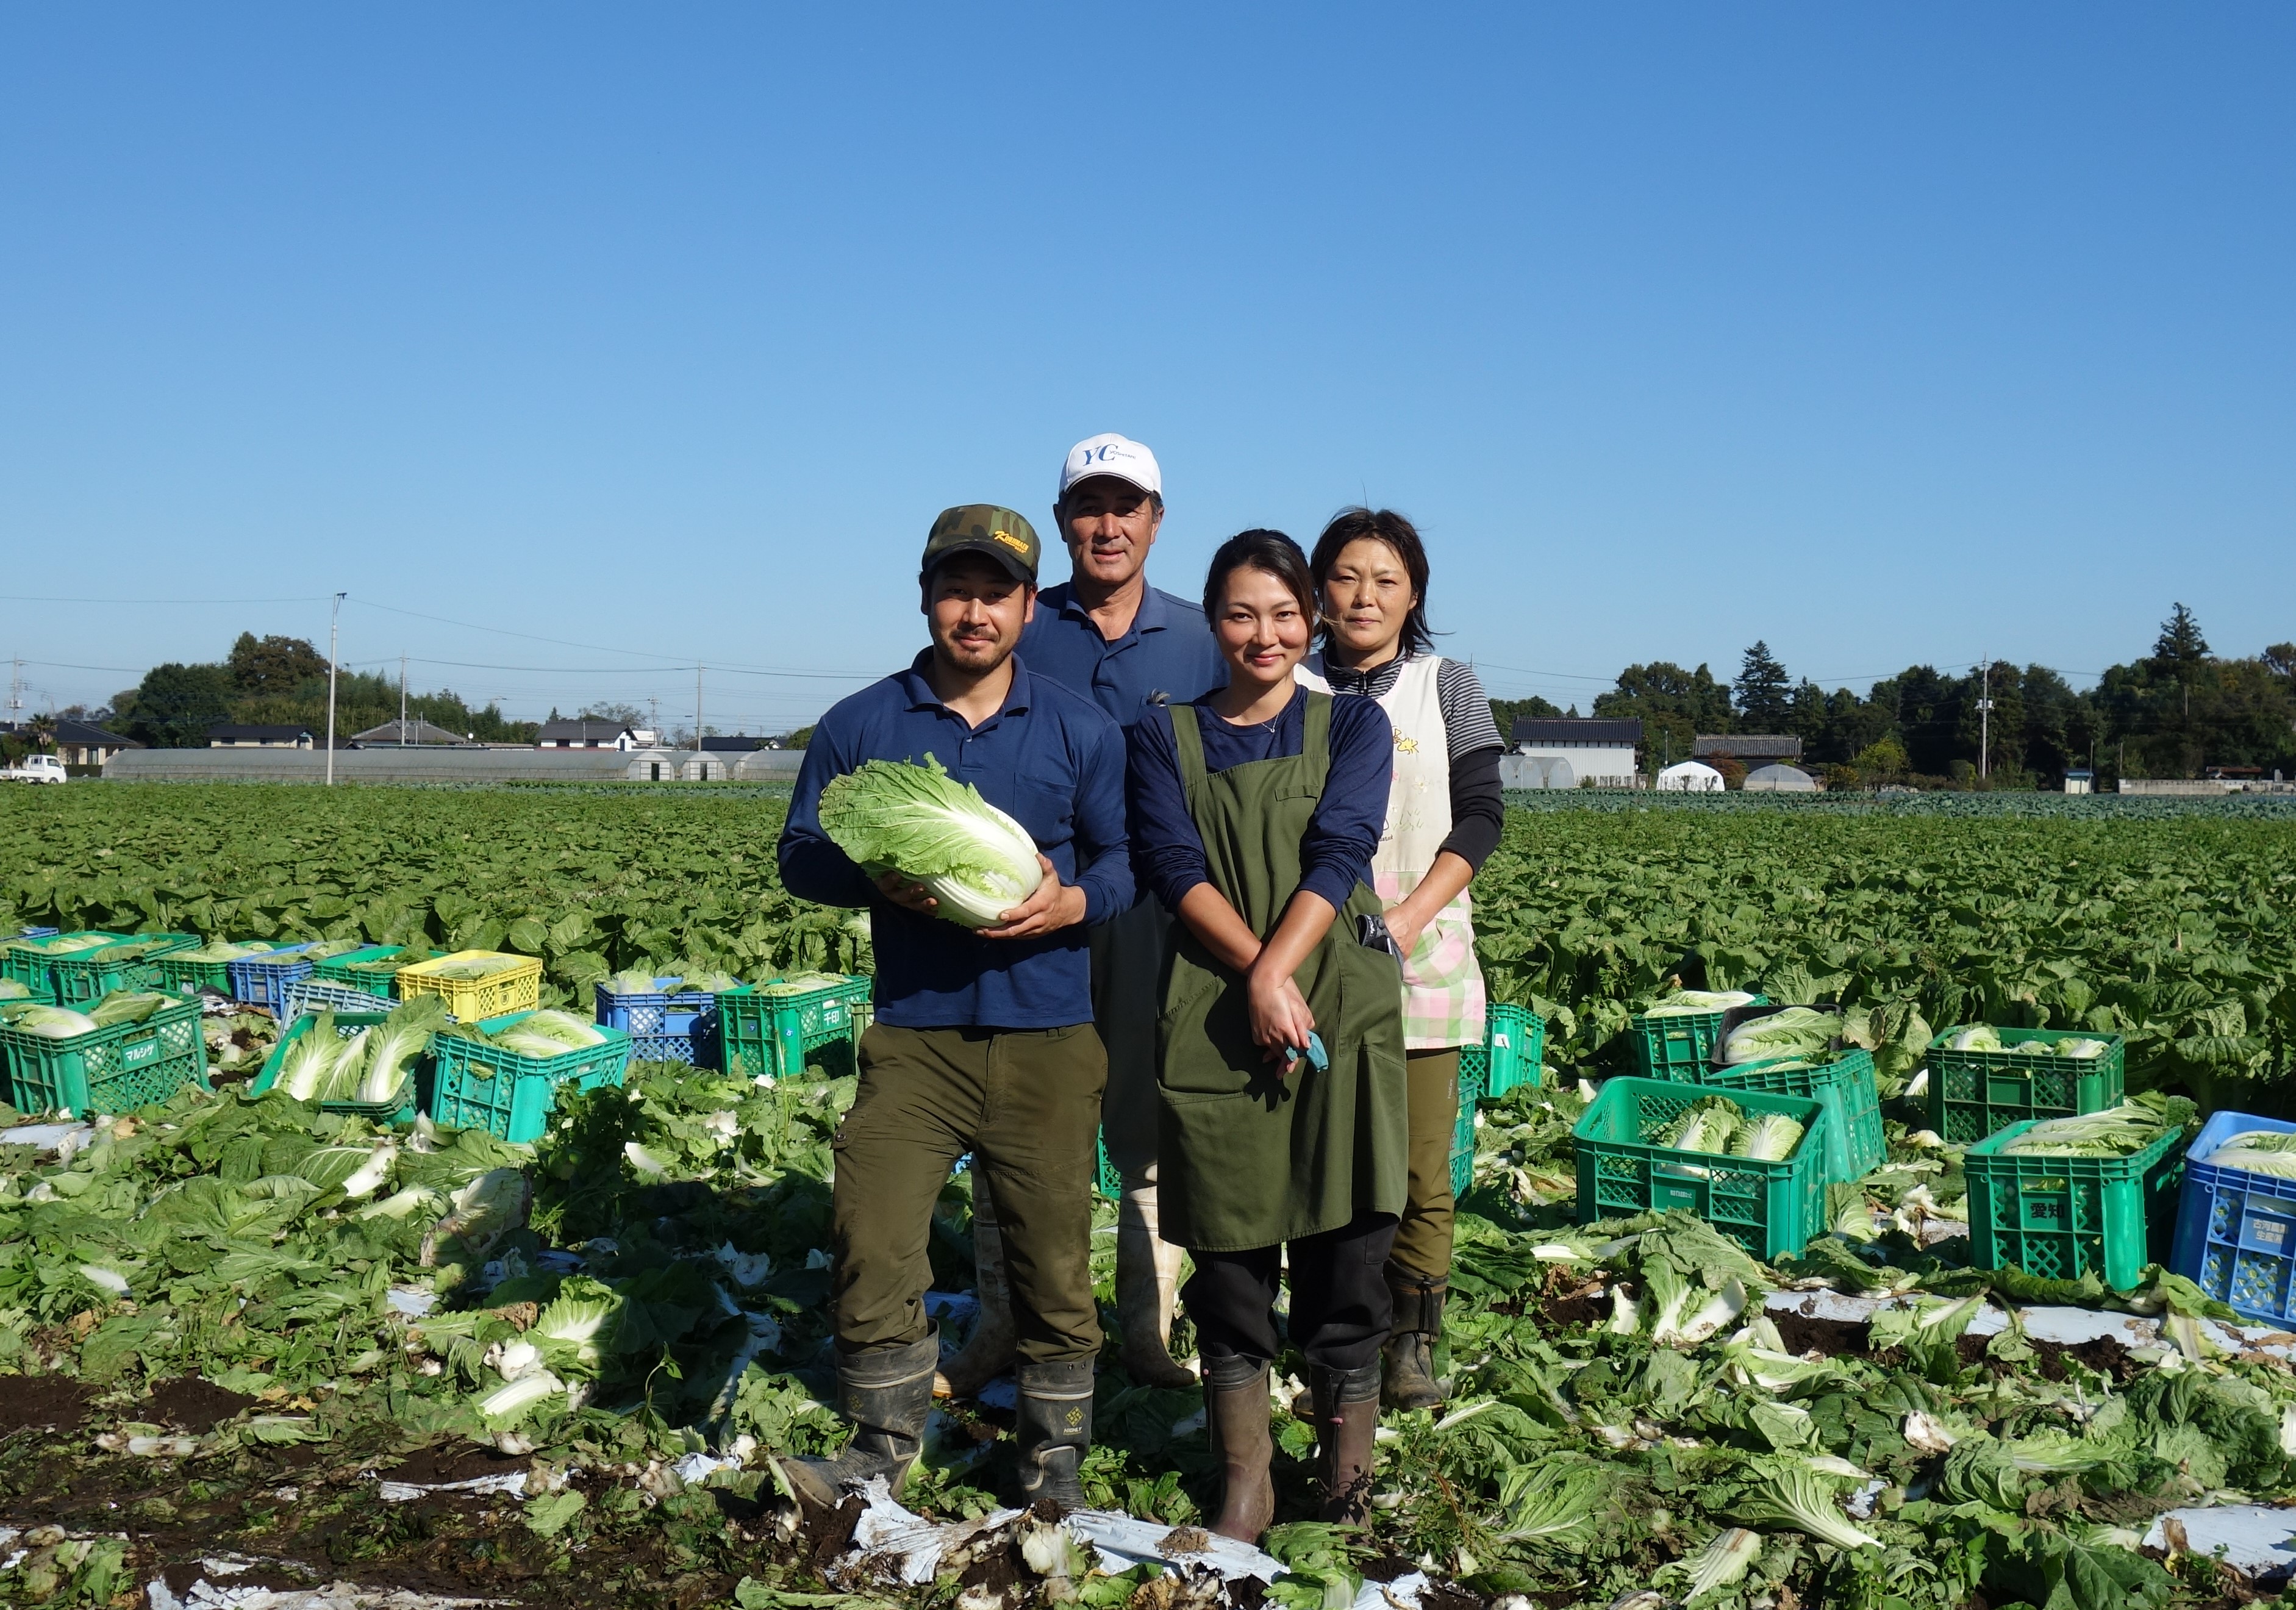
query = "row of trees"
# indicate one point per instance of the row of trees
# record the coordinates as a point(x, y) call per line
point(283, 681)
point(2175, 713)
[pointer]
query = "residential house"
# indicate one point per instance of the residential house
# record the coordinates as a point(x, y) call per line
point(1765, 748)
point(85, 743)
point(397, 735)
point(1596, 749)
point(585, 733)
point(234, 735)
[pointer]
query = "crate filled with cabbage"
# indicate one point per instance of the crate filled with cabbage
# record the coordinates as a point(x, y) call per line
point(671, 1016)
point(2236, 1216)
point(506, 1074)
point(2092, 1193)
point(1982, 1079)
point(1751, 1164)
point(786, 1025)
point(131, 1048)
point(369, 1063)
point(1674, 1035)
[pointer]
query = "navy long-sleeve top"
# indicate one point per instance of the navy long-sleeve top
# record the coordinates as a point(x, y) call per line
point(1343, 831)
point(1050, 760)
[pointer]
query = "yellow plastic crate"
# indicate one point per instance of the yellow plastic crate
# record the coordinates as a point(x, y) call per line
point(517, 988)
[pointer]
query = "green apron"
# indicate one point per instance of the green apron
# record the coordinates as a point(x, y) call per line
point(1249, 1156)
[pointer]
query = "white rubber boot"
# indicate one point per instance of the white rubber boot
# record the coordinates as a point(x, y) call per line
point(1147, 1283)
point(988, 1351)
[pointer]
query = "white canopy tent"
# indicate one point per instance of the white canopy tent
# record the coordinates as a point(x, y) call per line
point(1690, 776)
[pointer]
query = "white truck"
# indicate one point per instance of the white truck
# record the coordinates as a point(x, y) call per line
point(35, 768)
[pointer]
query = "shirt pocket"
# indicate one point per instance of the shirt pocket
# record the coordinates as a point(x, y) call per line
point(1047, 809)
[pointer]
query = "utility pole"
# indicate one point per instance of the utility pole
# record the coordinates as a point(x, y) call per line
point(402, 699)
point(1984, 720)
point(16, 695)
point(703, 769)
point(335, 620)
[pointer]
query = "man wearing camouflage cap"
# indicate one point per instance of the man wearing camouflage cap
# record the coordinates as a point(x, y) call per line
point(982, 1040)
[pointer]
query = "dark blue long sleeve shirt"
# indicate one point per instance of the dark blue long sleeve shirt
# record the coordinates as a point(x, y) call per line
point(1051, 760)
point(1343, 831)
point(1166, 656)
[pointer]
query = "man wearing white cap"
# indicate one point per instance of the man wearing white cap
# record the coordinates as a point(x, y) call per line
point(1106, 634)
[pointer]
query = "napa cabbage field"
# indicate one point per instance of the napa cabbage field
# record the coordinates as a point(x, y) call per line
point(248, 1347)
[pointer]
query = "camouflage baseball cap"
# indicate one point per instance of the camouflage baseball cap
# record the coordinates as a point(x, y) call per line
point(984, 528)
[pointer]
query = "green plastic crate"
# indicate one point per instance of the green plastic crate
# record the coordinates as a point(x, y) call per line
point(358, 969)
point(773, 1034)
point(111, 1071)
point(1106, 1176)
point(1515, 1044)
point(1678, 1045)
point(476, 1086)
point(1771, 1209)
point(2061, 1218)
point(1463, 1129)
point(401, 1108)
point(84, 980)
point(1844, 1086)
point(182, 977)
point(36, 972)
point(1974, 1094)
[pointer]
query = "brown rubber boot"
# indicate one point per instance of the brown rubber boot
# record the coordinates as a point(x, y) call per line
point(1055, 1431)
point(1236, 1412)
point(1346, 1420)
point(988, 1351)
point(1407, 1372)
point(888, 1396)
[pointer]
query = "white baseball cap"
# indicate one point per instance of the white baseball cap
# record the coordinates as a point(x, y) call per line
point(1109, 454)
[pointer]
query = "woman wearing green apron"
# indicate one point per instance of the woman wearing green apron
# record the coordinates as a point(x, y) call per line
point(1443, 821)
point(1283, 1131)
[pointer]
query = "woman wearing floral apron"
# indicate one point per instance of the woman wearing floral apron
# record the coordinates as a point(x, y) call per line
point(1282, 1126)
point(1443, 820)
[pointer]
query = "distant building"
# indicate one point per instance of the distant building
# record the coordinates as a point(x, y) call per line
point(1747, 746)
point(2080, 781)
point(81, 742)
point(1598, 750)
point(234, 735)
point(590, 735)
point(395, 734)
point(734, 744)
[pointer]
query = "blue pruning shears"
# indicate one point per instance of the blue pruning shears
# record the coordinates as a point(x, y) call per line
point(1318, 1058)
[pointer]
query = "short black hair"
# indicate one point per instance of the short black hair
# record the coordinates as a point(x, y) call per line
point(1386, 526)
point(1259, 549)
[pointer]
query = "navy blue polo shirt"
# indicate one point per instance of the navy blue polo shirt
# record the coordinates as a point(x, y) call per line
point(1169, 651)
point(1048, 758)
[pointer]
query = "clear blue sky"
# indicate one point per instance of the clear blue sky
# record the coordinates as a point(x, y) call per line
point(1884, 333)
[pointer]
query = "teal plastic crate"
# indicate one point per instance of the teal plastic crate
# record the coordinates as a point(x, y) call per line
point(2061, 1218)
point(136, 963)
point(35, 971)
point(1843, 1084)
point(1515, 1044)
point(1463, 1129)
point(1771, 1209)
point(476, 1086)
point(111, 1070)
point(372, 968)
point(775, 1034)
point(1677, 1045)
point(400, 1108)
point(1974, 1094)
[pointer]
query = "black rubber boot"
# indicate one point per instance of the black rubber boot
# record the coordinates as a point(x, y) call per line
point(888, 1394)
point(1054, 1431)
point(1346, 1420)
point(1236, 1412)
point(1408, 1358)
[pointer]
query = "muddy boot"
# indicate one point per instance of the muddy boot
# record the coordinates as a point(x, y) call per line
point(1054, 1431)
point(1407, 1374)
point(1147, 1278)
point(887, 1393)
point(1346, 1419)
point(988, 1351)
point(1236, 1411)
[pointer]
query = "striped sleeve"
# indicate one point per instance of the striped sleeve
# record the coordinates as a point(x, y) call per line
point(1466, 710)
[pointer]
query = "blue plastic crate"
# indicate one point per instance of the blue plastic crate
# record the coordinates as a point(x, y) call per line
point(675, 1025)
point(262, 980)
point(2236, 1230)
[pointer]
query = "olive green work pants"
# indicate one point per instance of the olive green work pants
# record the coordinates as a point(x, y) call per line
point(1422, 1255)
point(1025, 1102)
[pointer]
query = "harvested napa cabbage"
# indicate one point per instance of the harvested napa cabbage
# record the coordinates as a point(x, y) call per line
point(2257, 1151)
point(639, 981)
point(544, 1034)
point(1770, 1137)
point(1790, 1032)
point(63, 944)
point(2120, 1131)
point(304, 1067)
point(570, 1032)
point(800, 984)
point(707, 982)
point(128, 1006)
point(2080, 1047)
point(219, 950)
point(13, 990)
point(1976, 1037)
point(1706, 1125)
point(323, 1063)
point(467, 968)
point(1698, 1000)
point(50, 1022)
point(975, 861)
